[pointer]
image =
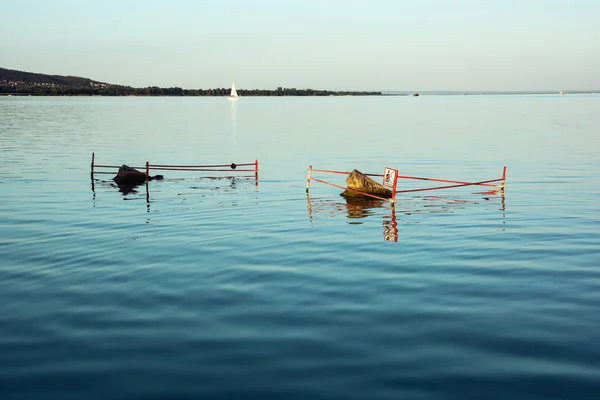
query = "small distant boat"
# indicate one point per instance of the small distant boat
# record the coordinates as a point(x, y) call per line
point(415, 94)
point(561, 93)
point(233, 96)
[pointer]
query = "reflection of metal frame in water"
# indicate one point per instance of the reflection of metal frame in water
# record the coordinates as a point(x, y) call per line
point(390, 227)
point(359, 208)
point(356, 209)
point(123, 189)
point(131, 189)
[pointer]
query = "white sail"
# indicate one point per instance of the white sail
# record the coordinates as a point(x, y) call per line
point(233, 91)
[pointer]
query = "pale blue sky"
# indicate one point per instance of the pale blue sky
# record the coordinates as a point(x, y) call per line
point(322, 44)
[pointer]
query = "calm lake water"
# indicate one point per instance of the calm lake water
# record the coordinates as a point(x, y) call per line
point(235, 288)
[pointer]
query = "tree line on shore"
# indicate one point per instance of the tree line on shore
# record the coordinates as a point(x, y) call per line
point(23, 88)
point(14, 82)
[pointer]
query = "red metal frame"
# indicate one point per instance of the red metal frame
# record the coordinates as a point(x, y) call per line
point(488, 182)
point(199, 168)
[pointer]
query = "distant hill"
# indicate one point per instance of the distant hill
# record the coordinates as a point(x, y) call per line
point(20, 83)
point(30, 78)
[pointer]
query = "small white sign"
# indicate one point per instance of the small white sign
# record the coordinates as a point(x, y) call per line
point(389, 177)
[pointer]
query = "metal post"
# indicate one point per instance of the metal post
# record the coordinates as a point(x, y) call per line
point(394, 188)
point(256, 171)
point(92, 167)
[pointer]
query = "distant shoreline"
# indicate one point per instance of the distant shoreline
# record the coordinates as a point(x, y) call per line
point(20, 83)
point(27, 89)
point(490, 92)
point(329, 94)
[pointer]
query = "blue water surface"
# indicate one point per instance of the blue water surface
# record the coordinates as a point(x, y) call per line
point(223, 286)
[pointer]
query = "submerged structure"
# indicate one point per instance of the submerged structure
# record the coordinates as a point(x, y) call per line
point(130, 176)
point(360, 184)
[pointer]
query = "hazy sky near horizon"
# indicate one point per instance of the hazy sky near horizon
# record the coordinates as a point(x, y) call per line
point(321, 44)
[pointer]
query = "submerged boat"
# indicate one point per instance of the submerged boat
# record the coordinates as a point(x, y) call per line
point(233, 96)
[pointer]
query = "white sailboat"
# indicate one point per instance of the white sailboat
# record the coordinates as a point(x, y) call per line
point(233, 96)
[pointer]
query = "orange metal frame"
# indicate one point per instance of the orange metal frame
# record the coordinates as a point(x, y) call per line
point(456, 183)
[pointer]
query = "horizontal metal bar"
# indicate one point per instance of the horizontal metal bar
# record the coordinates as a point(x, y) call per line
point(447, 180)
point(482, 183)
point(201, 166)
point(201, 169)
